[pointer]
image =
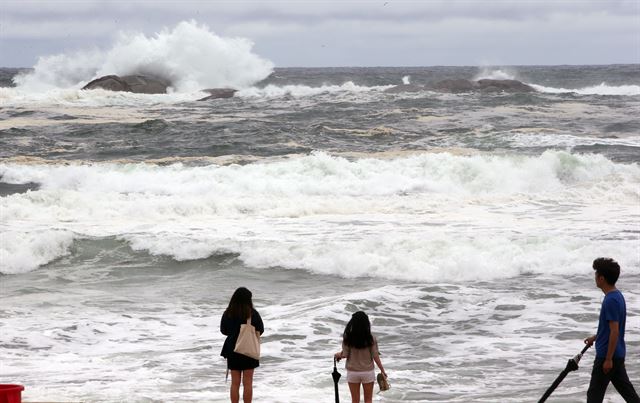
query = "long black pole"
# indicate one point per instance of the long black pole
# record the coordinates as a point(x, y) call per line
point(336, 377)
point(553, 386)
point(572, 365)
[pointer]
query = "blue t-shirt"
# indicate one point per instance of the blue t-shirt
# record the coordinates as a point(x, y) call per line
point(613, 309)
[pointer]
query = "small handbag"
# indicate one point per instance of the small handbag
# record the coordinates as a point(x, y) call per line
point(248, 342)
point(383, 383)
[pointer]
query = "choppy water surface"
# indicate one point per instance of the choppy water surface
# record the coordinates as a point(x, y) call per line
point(464, 224)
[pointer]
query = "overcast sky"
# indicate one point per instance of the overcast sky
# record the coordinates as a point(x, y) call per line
point(345, 33)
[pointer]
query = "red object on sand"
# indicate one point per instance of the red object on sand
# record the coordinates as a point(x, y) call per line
point(11, 393)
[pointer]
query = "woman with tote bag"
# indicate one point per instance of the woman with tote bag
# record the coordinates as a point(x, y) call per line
point(241, 315)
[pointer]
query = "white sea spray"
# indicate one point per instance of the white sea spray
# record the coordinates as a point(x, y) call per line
point(190, 56)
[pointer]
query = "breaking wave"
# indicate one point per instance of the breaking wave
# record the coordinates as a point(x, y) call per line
point(190, 56)
point(391, 218)
point(602, 89)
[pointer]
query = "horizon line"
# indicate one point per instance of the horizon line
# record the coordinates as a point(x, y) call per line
point(421, 66)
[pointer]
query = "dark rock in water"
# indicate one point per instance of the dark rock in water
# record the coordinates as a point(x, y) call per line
point(7, 189)
point(111, 83)
point(485, 85)
point(147, 84)
point(138, 84)
point(503, 85)
point(404, 88)
point(216, 93)
point(454, 85)
point(8, 74)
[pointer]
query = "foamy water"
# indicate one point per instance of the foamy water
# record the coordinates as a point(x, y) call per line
point(445, 342)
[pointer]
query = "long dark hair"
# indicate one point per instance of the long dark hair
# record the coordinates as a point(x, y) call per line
point(240, 305)
point(358, 331)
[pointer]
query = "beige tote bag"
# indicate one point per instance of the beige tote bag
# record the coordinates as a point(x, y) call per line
point(248, 342)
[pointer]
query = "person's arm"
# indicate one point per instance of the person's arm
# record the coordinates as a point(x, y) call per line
point(375, 354)
point(376, 358)
point(614, 332)
point(344, 353)
point(224, 325)
point(258, 322)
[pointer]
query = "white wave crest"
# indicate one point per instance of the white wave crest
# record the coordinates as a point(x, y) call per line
point(406, 80)
point(21, 251)
point(326, 175)
point(190, 56)
point(421, 217)
point(568, 140)
point(274, 91)
point(17, 97)
point(602, 89)
point(75, 97)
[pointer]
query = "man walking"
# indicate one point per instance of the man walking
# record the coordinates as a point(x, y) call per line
point(610, 348)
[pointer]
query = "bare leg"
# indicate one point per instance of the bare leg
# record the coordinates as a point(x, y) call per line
point(355, 392)
point(236, 377)
point(247, 385)
point(368, 392)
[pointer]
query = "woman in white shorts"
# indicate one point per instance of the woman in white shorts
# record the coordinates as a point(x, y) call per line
point(360, 349)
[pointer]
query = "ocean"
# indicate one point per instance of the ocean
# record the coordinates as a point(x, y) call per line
point(464, 224)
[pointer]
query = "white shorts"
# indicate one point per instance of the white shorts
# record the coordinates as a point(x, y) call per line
point(361, 376)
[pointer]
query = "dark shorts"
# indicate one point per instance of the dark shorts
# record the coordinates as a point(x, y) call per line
point(241, 362)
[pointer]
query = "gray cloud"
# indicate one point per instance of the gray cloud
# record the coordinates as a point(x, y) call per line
point(312, 33)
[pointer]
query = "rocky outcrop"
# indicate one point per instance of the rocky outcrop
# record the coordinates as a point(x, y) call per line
point(454, 85)
point(139, 84)
point(485, 85)
point(111, 83)
point(142, 84)
point(215, 93)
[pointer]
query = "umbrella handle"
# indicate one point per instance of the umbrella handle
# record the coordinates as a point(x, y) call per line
point(577, 358)
point(584, 350)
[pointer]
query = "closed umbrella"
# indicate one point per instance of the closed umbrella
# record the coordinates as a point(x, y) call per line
point(336, 377)
point(572, 365)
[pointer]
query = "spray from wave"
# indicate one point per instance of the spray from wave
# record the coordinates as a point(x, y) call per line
point(495, 74)
point(190, 56)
